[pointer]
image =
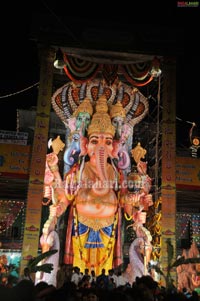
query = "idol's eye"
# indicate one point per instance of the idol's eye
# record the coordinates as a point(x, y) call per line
point(94, 141)
point(108, 142)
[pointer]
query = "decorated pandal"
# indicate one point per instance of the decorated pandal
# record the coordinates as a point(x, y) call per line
point(98, 183)
point(104, 181)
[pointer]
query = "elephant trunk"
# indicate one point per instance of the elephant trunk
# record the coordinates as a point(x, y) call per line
point(118, 132)
point(68, 158)
point(101, 186)
point(73, 150)
point(124, 160)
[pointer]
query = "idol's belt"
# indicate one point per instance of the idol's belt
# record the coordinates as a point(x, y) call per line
point(96, 223)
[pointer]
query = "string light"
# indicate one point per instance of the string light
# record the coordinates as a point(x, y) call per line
point(182, 225)
point(10, 211)
point(37, 84)
point(19, 92)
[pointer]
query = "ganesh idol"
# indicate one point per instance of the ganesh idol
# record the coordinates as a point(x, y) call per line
point(94, 191)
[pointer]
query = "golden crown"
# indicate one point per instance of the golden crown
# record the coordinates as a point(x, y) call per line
point(101, 122)
point(84, 107)
point(117, 110)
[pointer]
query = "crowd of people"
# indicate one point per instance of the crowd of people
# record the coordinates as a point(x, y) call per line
point(76, 286)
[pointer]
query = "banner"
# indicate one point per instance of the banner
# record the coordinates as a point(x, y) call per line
point(14, 159)
point(188, 173)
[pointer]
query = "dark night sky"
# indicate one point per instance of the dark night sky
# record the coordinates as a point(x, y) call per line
point(19, 57)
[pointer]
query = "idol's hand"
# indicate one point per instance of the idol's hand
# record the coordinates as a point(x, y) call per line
point(57, 210)
point(139, 217)
point(53, 209)
point(52, 160)
point(136, 198)
point(146, 201)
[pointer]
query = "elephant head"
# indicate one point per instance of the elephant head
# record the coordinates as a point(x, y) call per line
point(111, 153)
point(99, 147)
point(83, 116)
point(73, 149)
point(82, 121)
point(118, 123)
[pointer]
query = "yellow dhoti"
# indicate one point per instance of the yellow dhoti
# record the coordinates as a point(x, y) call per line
point(94, 248)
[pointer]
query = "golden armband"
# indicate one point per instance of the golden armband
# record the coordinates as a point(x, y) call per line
point(70, 197)
point(54, 168)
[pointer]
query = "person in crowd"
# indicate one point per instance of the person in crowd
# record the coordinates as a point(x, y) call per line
point(102, 280)
point(112, 275)
point(76, 276)
point(93, 278)
point(26, 275)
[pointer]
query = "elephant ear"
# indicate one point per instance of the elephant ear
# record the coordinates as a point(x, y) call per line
point(72, 123)
point(83, 147)
point(116, 147)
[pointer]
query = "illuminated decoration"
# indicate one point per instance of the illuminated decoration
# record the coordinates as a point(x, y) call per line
point(94, 188)
point(194, 140)
point(9, 212)
point(66, 99)
point(138, 74)
point(59, 61)
point(191, 233)
point(155, 70)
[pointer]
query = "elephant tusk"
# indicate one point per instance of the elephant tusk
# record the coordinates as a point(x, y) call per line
point(50, 143)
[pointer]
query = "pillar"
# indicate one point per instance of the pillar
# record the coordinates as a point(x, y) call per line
point(168, 189)
point(38, 159)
